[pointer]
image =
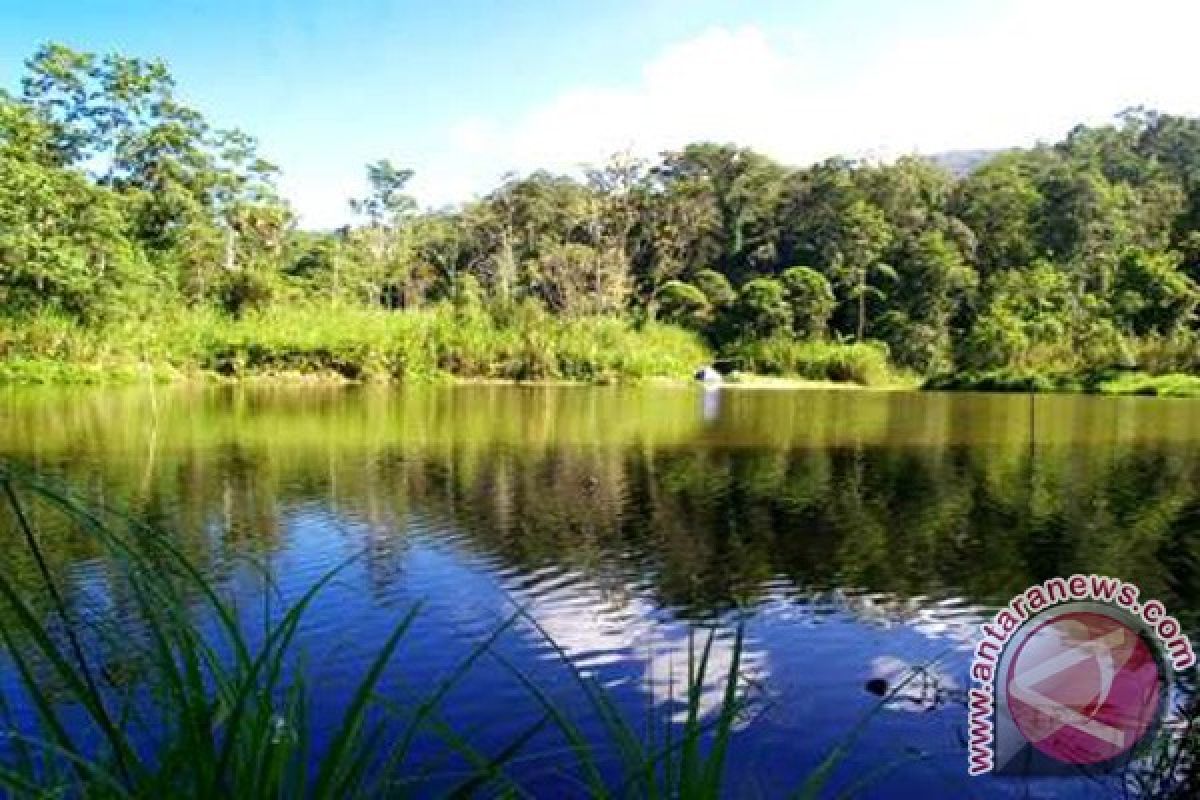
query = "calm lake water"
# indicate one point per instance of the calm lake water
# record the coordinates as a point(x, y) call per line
point(843, 527)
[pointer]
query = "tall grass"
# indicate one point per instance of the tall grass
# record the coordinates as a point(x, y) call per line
point(215, 712)
point(862, 363)
point(354, 344)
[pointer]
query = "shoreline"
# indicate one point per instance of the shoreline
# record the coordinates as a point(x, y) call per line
point(29, 373)
point(64, 375)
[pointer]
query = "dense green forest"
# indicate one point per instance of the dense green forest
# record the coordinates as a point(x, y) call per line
point(134, 235)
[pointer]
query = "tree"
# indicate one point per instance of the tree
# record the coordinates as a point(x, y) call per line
point(1027, 322)
point(684, 304)
point(384, 244)
point(812, 207)
point(577, 279)
point(716, 288)
point(618, 185)
point(118, 118)
point(1152, 295)
point(762, 308)
point(910, 192)
point(811, 298)
point(743, 190)
point(1000, 203)
point(62, 243)
point(862, 238)
point(116, 197)
point(386, 201)
point(934, 285)
point(673, 232)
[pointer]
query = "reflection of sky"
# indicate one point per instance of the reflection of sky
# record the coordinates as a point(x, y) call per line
point(440, 491)
point(807, 655)
point(599, 628)
point(810, 657)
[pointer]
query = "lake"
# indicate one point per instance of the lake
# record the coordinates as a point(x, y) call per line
point(844, 529)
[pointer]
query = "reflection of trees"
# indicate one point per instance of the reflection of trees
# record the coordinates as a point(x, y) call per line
point(914, 495)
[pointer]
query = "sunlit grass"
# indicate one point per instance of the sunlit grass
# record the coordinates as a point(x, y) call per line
point(1103, 382)
point(1173, 385)
point(350, 344)
point(862, 363)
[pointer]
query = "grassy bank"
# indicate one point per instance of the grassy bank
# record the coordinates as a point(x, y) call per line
point(348, 345)
point(444, 343)
point(1107, 383)
point(323, 345)
point(863, 364)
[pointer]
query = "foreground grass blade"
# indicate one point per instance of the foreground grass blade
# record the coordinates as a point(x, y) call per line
point(330, 780)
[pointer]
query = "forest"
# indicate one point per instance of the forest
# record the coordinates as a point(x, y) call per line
point(137, 238)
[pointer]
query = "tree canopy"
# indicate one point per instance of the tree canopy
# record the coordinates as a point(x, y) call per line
point(116, 198)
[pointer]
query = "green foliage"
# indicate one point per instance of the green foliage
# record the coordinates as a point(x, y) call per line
point(1170, 385)
point(1005, 380)
point(1151, 294)
point(362, 345)
point(1028, 321)
point(684, 304)
point(762, 308)
point(114, 190)
point(811, 297)
point(715, 287)
point(242, 291)
point(864, 363)
point(118, 199)
point(387, 200)
point(62, 243)
point(1000, 203)
point(1103, 382)
point(579, 279)
point(1158, 354)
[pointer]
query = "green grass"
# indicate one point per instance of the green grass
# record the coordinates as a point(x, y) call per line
point(1106, 382)
point(349, 344)
point(863, 363)
point(1172, 385)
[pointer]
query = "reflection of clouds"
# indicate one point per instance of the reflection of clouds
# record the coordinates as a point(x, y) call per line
point(954, 620)
point(912, 687)
point(600, 627)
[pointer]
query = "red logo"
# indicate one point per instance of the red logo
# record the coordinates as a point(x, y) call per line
point(1083, 687)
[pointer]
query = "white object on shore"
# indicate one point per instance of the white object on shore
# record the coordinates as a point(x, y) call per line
point(708, 375)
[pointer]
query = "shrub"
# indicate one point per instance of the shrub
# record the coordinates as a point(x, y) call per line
point(715, 287)
point(864, 363)
point(762, 308)
point(684, 304)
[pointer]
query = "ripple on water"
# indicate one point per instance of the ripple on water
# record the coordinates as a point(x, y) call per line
point(628, 524)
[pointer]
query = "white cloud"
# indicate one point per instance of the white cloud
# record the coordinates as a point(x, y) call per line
point(1008, 74)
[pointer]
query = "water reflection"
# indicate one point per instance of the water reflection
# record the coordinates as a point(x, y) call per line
point(846, 527)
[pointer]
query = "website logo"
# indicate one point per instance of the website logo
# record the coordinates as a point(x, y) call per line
point(1073, 675)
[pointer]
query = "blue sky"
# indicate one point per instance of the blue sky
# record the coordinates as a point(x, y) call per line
point(465, 91)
